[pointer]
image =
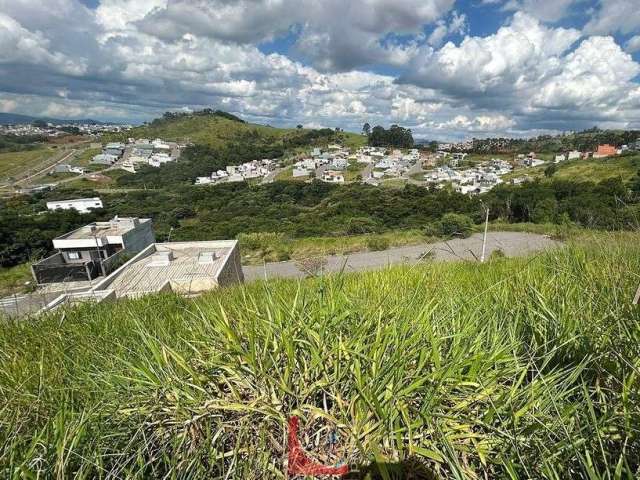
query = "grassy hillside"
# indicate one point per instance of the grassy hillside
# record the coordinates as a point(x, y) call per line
point(521, 368)
point(596, 169)
point(17, 164)
point(217, 131)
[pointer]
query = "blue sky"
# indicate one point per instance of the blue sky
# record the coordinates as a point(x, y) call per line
point(448, 69)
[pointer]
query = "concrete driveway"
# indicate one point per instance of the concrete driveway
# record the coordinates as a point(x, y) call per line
point(513, 244)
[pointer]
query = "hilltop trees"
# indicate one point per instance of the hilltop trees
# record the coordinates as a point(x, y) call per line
point(396, 136)
point(197, 113)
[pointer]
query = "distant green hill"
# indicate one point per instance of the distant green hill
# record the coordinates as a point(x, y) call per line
point(15, 118)
point(218, 130)
point(586, 140)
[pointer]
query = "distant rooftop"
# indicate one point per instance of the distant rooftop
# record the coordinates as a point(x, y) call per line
point(75, 200)
point(117, 226)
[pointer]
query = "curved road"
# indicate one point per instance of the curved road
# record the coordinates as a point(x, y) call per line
point(511, 243)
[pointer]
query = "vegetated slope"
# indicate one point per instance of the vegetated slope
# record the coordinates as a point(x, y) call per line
point(625, 167)
point(514, 369)
point(218, 139)
point(216, 130)
point(14, 118)
point(587, 140)
point(14, 164)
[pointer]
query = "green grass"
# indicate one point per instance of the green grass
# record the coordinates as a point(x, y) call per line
point(475, 158)
point(14, 279)
point(559, 231)
point(599, 169)
point(273, 247)
point(84, 183)
point(353, 172)
point(518, 368)
point(83, 159)
point(393, 182)
point(354, 140)
point(15, 164)
point(286, 174)
point(214, 131)
point(217, 131)
point(594, 170)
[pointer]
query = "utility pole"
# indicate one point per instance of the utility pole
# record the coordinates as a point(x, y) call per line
point(484, 237)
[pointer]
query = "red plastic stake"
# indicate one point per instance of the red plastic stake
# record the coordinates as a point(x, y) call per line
point(300, 463)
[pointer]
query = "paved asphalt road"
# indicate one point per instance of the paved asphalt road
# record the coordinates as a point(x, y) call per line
point(511, 243)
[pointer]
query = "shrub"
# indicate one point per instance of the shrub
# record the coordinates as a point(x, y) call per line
point(455, 224)
point(360, 225)
point(433, 229)
point(497, 254)
point(261, 240)
point(269, 246)
point(377, 243)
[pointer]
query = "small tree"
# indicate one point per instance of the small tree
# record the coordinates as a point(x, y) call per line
point(377, 244)
point(299, 126)
point(366, 129)
point(456, 224)
point(545, 210)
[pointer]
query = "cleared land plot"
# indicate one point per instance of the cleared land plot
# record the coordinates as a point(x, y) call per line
point(18, 164)
point(83, 158)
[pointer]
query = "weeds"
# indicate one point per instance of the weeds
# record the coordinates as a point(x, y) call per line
point(519, 368)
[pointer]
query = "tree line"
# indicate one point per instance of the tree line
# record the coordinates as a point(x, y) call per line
point(395, 137)
point(316, 209)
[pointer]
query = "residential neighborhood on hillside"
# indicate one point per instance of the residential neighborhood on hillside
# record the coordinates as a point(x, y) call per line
point(138, 152)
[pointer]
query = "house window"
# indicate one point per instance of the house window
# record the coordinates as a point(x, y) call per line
point(74, 255)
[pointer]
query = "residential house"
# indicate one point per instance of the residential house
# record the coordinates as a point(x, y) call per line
point(115, 149)
point(605, 150)
point(159, 146)
point(66, 168)
point(82, 205)
point(93, 250)
point(300, 172)
point(339, 163)
point(104, 159)
point(204, 180)
point(331, 176)
point(158, 159)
